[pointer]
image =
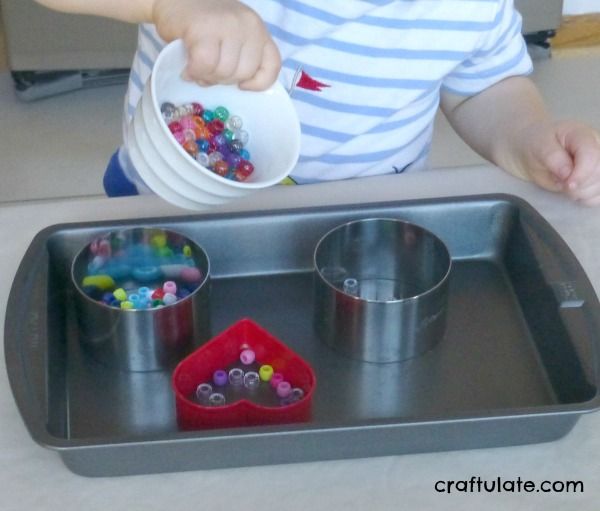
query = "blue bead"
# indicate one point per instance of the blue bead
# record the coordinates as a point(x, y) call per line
point(146, 273)
point(203, 145)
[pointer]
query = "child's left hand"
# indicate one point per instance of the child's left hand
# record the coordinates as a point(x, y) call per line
point(562, 156)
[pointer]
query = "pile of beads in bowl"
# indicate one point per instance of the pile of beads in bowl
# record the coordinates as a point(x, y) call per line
point(153, 271)
point(214, 138)
point(251, 380)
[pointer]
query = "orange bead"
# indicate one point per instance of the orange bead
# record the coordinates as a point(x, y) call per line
point(220, 167)
point(191, 147)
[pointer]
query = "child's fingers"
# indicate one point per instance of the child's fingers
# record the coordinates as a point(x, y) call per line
point(584, 146)
point(588, 196)
point(229, 56)
point(202, 59)
point(268, 71)
point(250, 61)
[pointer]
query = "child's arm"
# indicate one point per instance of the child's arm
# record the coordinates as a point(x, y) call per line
point(226, 41)
point(508, 124)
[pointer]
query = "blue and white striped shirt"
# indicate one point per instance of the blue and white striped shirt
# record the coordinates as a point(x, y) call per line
point(385, 64)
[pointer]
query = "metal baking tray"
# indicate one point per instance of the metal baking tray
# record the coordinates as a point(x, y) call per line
point(518, 363)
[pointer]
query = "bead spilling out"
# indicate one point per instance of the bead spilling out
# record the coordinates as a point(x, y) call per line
point(244, 380)
point(156, 270)
point(214, 138)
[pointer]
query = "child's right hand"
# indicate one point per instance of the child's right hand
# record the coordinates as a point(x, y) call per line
point(226, 41)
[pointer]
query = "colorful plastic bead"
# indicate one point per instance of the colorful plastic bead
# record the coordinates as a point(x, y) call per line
point(234, 123)
point(265, 372)
point(202, 159)
point(216, 399)
point(276, 379)
point(126, 305)
point(247, 356)
point(221, 168)
point(169, 299)
point(120, 294)
point(191, 274)
point(220, 377)
point(103, 282)
point(283, 389)
point(221, 113)
point(146, 273)
point(197, 108)
point(236, 377)
point(170, 287)
point(203, 391)
point(251, 380)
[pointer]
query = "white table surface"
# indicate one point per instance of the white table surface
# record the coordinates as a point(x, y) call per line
point(32, 477)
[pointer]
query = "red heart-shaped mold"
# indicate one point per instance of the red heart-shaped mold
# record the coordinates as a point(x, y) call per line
point(222, 351)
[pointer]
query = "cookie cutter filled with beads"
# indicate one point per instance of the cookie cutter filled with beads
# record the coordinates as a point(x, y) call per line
point(269, 121)
point(243, 376)
point(141, 297)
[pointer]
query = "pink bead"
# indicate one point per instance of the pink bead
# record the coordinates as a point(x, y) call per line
point(104, 248)
point(175, 126)
point(179, 136)
point(276, 379)
point(187, 123)
point(247, 357)
point(170, 287)
point(191, 274)
point(284, 389)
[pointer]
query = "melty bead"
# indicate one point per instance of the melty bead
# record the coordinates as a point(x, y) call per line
point(236, 377)
point(221, 113)
point(284, 389)
point(251, 380)
point(169, 298)
point(203, 391)
point(220, 377)
point(234, 123)
point(211, 137)
point(216, 399)
point(170, 287)
point(265, 372)
point(247, 356)
point(276, 379)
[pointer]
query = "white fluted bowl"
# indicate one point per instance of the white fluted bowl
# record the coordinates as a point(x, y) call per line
point(269, 117)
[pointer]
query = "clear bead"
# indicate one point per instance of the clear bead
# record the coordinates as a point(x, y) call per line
point(203, 392)
point(236, 377)
point(202, 159)
point(251, 380)
point(214, 158)
point(234, 122)
point(241, 135)
point(216, 399)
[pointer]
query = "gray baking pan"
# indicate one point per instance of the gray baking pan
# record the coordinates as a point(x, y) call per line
point(518, 362)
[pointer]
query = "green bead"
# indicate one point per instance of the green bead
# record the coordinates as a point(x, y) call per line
point(221, 113)
point(228, 134)
point(120, 294)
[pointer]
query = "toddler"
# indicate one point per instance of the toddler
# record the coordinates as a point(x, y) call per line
point(367, 78)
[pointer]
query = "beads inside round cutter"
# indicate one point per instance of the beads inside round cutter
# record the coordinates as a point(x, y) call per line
point(140, 269)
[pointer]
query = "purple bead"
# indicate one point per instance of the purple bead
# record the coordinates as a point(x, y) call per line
point(220, 140)
point(233, 159)
point(220, 377)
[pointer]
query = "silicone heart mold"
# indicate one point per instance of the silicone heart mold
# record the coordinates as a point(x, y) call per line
point(223, 351)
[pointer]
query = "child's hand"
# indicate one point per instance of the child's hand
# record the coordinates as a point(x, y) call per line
point(560, 156)
point(226, 41)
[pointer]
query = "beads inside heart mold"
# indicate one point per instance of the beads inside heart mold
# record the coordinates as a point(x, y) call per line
point(245, 380)
point(214, 138)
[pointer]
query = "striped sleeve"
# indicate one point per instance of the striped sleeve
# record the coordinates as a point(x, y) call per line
point(502, 53)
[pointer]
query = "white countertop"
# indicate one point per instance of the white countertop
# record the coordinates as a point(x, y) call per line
point(32, 477)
